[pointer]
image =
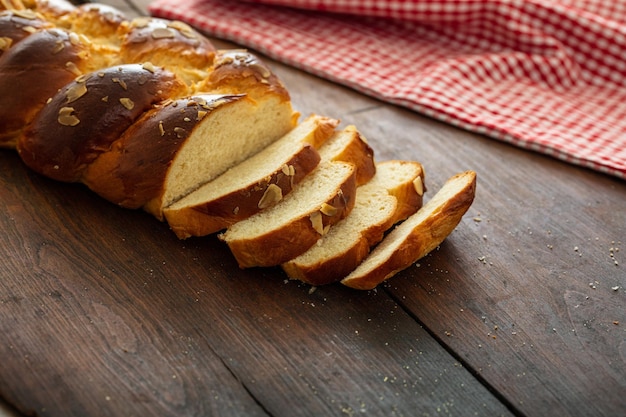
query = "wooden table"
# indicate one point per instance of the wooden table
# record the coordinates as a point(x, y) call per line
point(521, 311)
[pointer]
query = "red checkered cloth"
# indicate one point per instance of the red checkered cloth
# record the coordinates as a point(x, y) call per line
point(549, 76)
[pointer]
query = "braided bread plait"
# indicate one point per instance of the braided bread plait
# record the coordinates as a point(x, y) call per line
point(115, 111)
point(145, 111)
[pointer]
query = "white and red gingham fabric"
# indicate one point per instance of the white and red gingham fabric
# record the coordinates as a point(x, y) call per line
point(548, 76)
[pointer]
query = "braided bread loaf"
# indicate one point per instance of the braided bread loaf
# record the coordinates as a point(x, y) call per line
point(148, 114)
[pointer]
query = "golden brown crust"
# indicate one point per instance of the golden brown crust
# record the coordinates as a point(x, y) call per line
point(419, 235)
point(31, 72)
point(331, 270)
point(239, 70)
point(133, 171)
point(16, 25)
point(87, 115)
point(358, 152)
point(99, 22)
point(215, 215)
point(403, 196)
point(291, 239)
point(166, 43)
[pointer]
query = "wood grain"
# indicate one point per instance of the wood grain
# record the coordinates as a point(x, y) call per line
point(107, 313)
point(528, 292)
point(521, 311)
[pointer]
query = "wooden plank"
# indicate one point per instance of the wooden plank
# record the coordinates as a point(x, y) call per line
point(77, 337)
point(105, 312)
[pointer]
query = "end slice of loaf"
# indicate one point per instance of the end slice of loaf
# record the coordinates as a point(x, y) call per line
point(253, 185)
point(418, 235)
point(290, 227)
point(393, 194)
point(177, 147)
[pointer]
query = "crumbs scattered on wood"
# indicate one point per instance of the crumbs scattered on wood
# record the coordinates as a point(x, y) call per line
point(612, 251)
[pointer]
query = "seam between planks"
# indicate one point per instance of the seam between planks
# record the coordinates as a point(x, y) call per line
point(473, 371)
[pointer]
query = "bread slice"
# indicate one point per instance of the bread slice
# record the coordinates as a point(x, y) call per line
point(393, 194)
point(255, 184)
point(290, 227)
point(418, 235)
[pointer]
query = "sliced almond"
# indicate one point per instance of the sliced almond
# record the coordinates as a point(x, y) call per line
point(73, 68)
point(272, 195)
point(25, 14)
point(5, 43)
point(75, 92)
point(162, 33)
point(127, 103)
point(316, 222)
point(328, 210)
point(67, 117)
point(149, 66)
point(419, 186)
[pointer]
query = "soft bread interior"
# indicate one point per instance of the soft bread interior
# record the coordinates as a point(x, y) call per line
point(227, 136)
point(390, 196)
point(375, 204)
point(418, 235)
point(254, 169)
point(316, 188)
point(372, 206)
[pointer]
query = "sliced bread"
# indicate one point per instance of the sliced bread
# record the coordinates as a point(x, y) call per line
point(393, 194)
point(255, 184)
point(290, 227)
point(179, 146)
point(418, 235)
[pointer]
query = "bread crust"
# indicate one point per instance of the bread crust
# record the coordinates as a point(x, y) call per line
point(215, 214)
point(405, 200)
point(31, 72)
point(237, 70)
point(99, 22)
point(357, 151)
point(167, 43)
point(132, 173)
point(16, 25)
point(290, 239)
point(418, 235)
point(330, 270)
point(87, 115)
